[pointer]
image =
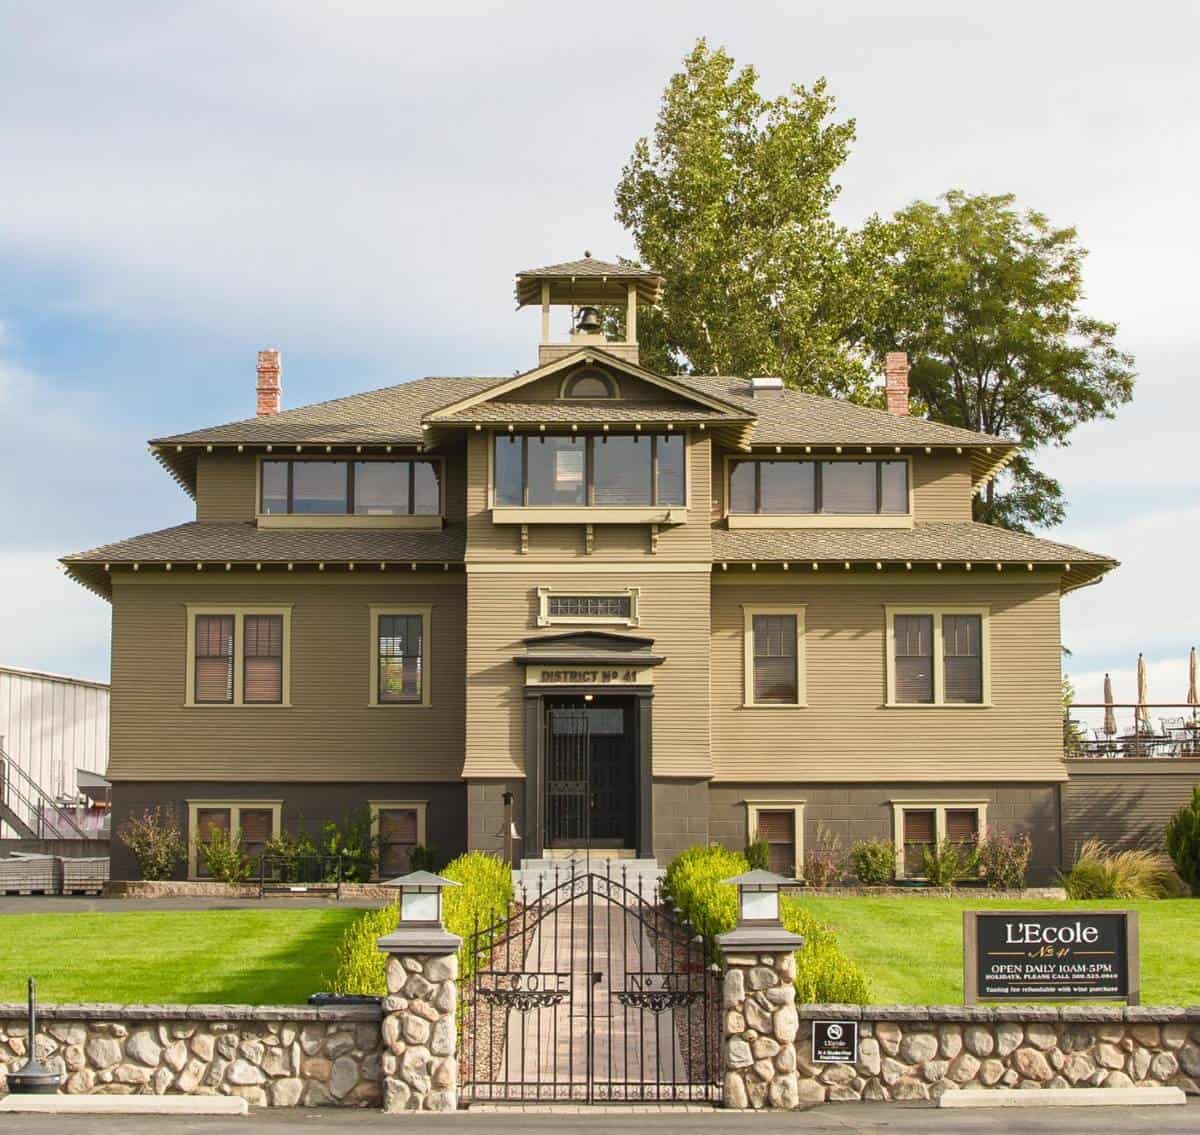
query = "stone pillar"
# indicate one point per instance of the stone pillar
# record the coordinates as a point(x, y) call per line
point(760, 1026)
point(420, 1063)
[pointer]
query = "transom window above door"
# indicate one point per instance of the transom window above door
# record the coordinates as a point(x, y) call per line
point(350, 488)
point(574, 471)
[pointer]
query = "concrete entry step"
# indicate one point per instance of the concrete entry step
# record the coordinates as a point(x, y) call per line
point(542, 875)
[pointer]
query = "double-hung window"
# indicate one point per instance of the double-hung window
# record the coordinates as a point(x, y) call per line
point(400, 656)
point(921, 825)
point(253, 822)
point(938, 656)
point(774, 656)
point(238, 656)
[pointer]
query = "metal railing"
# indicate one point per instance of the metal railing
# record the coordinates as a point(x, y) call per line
point(25, 804)
point(1142, 732)
point(305, 874)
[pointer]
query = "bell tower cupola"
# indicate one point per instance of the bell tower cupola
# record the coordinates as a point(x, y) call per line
point(586, 287)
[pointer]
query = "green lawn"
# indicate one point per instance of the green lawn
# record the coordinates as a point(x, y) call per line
point(261, 957)
point(911, 948)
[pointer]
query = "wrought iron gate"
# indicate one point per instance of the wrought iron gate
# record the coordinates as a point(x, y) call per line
point(589, 991)
point(568, 778)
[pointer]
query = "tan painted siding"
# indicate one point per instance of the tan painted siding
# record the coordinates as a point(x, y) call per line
point(846, 733)
point(225, 488)
point(1125, 804)
point(487, 541)
point(502, 610)
point(227, 485)
point(941, 487)
point(328, 733)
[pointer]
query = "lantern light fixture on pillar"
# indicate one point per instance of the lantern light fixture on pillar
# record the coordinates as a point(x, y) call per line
point(421, 898)
point(759, 925)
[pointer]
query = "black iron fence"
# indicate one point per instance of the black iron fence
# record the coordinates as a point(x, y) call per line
point(305, 874)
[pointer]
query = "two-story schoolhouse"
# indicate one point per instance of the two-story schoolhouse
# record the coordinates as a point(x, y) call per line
point(609, 608)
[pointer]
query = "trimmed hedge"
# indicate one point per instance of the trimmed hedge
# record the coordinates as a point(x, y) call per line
point(823, 973)
point(485, 894)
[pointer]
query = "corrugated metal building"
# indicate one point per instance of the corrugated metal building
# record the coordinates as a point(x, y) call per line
point(52, 726)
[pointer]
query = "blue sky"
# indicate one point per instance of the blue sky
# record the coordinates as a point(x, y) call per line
point(356, 184)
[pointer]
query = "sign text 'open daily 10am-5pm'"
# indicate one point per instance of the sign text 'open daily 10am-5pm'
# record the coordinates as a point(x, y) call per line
point(1033, 955)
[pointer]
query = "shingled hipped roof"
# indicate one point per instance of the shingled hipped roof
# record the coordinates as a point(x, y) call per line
point(587, 281)
point(955, 542)
point(218, 544)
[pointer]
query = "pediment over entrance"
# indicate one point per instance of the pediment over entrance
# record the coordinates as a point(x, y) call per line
point(589, 648)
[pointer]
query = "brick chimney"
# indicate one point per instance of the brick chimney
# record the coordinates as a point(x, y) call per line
point(270, 383)
point(895, 370)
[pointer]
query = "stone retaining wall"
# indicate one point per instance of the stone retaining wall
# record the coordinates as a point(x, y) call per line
point(210, 888)
point(277, 1056)
point(910, 1052)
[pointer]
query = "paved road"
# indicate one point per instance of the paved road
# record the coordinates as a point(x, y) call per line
point(840, 1119)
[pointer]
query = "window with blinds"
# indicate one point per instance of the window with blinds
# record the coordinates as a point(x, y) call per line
point(962, 650)
point(775, 672)
point(400, 655)
point(962, 825)
point(214, 659)
point(920, 835)
point(208, 822)
point(397, 838)
point(255, 825)
point(913, 635)
point(778, 828)
point(263, 659)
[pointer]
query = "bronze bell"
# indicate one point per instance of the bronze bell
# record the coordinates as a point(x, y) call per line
point(588, 320)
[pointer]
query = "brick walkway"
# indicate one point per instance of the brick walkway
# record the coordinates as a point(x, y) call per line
point(631, 1050)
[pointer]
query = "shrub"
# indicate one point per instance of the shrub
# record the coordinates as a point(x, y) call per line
point(825, 864)
point(422, 858)
point(1004, 859)
point(290, 851)
point(948, 861)
point(758, 855)
point(481, 900)
point(1100, 873)
point(873, 862)
point(224, 854)
point(693, 883)
point(353, 842)
point(155, 839)
point(1183, 842)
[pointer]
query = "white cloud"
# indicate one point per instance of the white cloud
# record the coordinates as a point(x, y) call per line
point(48, 621)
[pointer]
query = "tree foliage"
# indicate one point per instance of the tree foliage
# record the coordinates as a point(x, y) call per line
point(730, 202)
point(985, 297)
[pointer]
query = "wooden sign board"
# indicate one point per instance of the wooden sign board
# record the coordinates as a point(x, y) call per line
point(1043, 955)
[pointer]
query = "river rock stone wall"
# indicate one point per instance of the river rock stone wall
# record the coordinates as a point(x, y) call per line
point(420, 1067)
point(920, 1053)
point(272, 1056)
point(760, 1029)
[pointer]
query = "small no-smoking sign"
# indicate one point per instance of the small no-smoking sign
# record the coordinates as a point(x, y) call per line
point(835, 1042)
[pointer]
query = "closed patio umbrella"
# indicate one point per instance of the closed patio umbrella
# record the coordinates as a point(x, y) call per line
point(1110, 718)
point(1141, 713)
point(1193, 698)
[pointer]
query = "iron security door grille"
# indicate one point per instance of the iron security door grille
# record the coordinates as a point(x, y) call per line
point(568, 778)
point(589, 991)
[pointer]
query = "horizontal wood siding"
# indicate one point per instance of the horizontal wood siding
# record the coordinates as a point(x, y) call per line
point(846, 733)
point(225, 488)
point(1126, 804)
point(502, 611)
point(941, 487)
point(328, 733)
point(501, 542)
point(227, 484)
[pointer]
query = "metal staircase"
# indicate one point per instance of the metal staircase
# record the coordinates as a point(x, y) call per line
point(31, 811)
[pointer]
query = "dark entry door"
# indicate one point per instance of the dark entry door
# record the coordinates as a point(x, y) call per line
point(591, 773)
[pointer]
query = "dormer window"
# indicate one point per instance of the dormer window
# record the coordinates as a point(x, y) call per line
point(590, 383)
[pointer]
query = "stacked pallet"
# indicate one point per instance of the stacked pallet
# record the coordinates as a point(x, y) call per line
point(29, 874)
